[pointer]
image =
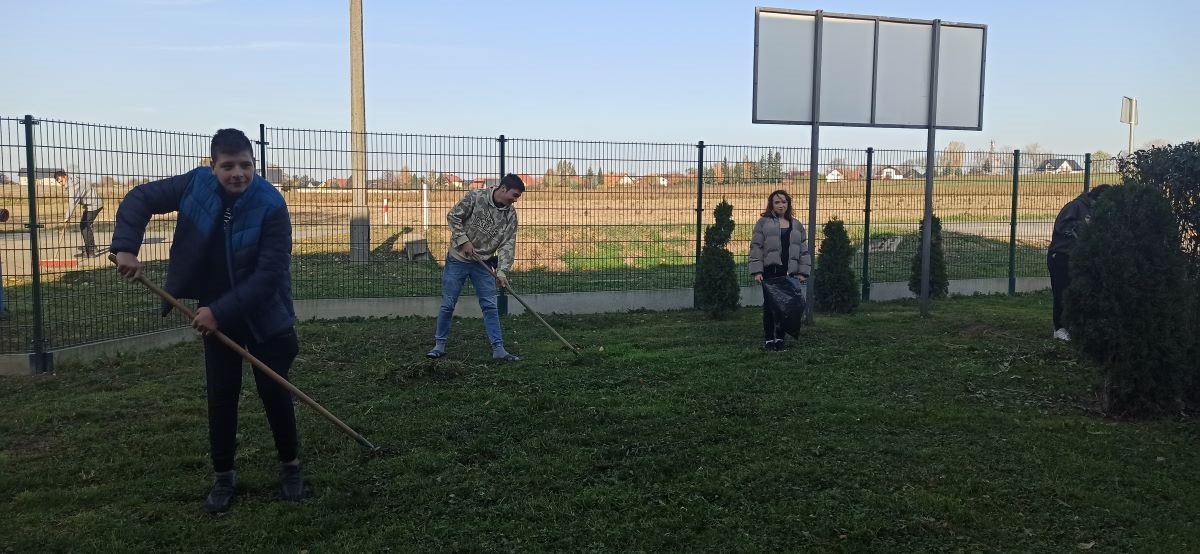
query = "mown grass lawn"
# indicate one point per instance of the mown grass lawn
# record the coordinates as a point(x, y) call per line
point(971, 430)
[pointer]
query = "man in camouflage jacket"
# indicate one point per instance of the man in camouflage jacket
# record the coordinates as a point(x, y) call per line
point(483, 230)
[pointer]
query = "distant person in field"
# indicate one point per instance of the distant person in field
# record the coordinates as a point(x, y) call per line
point(84, 196)
point(483, 229)
point(1071, 220)
point(232, 253)
point(778, 247)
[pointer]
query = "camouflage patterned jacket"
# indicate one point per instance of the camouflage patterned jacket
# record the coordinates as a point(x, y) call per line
point(492, 229)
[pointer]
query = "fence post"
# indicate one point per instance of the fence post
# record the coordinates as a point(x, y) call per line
point(1087, 172)
point(699, 215)
point(503, 141)
point(262, 151)
point(866, 278)
point(1012, 233)
point(40, 360)
point(501, 297)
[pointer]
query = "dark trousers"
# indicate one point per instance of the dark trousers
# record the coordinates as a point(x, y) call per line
point(224, 369)
point(85, 229)
point(1060, 279)
point(771, 331)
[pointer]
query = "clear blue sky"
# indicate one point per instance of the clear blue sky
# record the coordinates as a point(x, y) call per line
point(620, 70)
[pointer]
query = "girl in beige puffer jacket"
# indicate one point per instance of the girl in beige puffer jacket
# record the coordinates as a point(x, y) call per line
point(778, 247)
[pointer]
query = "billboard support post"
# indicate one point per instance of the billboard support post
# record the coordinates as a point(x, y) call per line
point(884, 72)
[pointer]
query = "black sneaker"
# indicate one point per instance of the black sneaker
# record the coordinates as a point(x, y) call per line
point(780, 345)
point(221, 496)
point(291, 482)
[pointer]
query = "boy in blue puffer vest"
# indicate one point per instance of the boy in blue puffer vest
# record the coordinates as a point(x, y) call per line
point(231, 252)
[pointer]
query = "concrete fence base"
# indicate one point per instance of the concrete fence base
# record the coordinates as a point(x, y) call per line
point(549, 303)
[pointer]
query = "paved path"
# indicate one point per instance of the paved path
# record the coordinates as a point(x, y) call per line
point(57, 248)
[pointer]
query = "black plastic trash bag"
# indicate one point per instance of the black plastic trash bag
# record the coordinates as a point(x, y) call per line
point(784, 296)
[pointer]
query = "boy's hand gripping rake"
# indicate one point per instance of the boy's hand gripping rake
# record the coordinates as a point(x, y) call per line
point(527, 307)
point(258, 364)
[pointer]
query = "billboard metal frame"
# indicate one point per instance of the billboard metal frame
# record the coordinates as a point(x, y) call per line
point(815, 122)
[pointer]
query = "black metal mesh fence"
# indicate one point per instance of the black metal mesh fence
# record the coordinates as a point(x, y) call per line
point(611, 216)
point(596, 216)
point(81, 300)
point(411, 182)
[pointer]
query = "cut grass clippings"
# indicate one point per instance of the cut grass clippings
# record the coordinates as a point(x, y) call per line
point(971, 430)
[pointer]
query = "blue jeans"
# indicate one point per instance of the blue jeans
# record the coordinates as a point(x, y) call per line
point(453, 277)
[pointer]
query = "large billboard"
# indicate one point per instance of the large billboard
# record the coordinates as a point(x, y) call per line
point(873, 71)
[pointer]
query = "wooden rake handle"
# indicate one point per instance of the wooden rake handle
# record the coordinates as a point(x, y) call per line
point(527, 307)
point(258, 364)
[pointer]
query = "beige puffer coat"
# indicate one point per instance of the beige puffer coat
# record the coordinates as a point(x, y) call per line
point(766, 247)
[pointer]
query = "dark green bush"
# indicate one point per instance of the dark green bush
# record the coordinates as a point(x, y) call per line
point(1175, 170)
point(717, 292)
point(939, 284)
point(836, 288)
point(1129, 307)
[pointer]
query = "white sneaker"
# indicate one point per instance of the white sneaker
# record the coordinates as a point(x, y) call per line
point(1062, 334)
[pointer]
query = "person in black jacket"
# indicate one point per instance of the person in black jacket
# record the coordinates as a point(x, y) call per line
point(1071, 219)
point(231, 252)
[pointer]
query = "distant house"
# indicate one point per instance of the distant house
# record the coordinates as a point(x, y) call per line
point(484, 182)
point(42, 176)
point(889, 172)
point(453, 181)
point(1060, 165)
point(336, 183)
point(675, 179)
point(617, 180)
point(529, 180)
point(655, 180)
point(834, 176)
point(914, 172)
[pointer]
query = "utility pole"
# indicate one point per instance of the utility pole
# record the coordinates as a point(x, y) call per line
point(360, 215)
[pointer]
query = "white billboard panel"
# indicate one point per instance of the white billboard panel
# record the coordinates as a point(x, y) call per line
point(786, 76)
point(1129, 110)
point(960, 77)
point(903, 71)
point(847, 51)
point(875, 71)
